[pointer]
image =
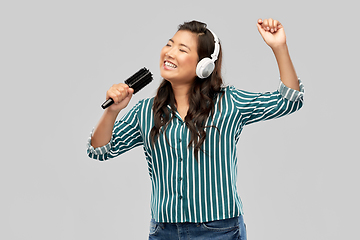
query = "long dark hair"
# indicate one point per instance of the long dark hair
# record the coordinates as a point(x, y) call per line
point(201, 95)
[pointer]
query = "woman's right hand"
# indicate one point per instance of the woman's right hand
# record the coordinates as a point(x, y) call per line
point(121, 94)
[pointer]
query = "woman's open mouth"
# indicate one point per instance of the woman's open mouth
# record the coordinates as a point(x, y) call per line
point(169, 64)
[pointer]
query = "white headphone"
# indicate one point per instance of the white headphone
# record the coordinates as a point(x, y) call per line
point(206, 65)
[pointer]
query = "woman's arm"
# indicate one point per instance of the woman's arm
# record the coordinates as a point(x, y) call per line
point(121, 94)
point(274, 35)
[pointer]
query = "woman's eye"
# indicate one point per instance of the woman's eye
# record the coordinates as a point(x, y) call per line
point(168, 45)
point(182, 50)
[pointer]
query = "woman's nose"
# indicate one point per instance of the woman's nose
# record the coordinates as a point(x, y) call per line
point(170, 53)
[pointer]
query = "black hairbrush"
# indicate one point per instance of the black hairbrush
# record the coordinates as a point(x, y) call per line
point(137, 81)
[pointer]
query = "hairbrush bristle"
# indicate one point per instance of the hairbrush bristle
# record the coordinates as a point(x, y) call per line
point(139, 80)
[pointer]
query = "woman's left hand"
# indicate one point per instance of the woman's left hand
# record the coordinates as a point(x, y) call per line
point(272, 32)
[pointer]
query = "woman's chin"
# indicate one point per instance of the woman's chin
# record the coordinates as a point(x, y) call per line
point(167, 75)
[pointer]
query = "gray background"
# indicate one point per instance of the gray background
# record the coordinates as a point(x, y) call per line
point(298, 176)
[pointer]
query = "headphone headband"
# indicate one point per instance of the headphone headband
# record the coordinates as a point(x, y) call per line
point(215, 54)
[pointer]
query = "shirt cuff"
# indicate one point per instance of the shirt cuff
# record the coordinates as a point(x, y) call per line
point(99, 150)
point(292, 94)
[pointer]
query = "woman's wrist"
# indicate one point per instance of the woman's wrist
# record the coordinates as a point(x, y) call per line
point(109, 113)
point(280, 49)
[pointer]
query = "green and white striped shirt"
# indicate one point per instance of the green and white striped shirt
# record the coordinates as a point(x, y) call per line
point(183, 189)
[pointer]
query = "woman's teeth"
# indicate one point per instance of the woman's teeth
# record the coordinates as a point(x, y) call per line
point(168, 64)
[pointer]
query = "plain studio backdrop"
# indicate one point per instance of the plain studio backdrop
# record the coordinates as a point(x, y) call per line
point(298, 175)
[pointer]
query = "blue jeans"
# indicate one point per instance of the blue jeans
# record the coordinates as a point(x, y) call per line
point(227, 229)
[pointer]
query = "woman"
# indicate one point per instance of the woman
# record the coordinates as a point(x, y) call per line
point(189, 132)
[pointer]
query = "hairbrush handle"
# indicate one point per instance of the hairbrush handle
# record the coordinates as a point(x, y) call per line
point(137, 81)
point(107, 103)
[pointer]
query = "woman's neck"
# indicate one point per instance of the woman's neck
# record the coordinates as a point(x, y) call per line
point(181, 94)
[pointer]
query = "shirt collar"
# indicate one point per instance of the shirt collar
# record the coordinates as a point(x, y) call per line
point(177, 115)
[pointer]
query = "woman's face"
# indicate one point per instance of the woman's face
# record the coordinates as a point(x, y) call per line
point(178, 58)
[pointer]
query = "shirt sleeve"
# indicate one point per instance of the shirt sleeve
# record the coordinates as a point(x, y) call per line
point(255, 107)
point(126, 135)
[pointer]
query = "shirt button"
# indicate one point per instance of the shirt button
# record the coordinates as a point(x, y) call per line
point(180, 197)
point(180, 159)
point(180, 178)
point(179, 139)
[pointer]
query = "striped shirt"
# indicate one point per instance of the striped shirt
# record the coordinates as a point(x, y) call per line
point(183, 189)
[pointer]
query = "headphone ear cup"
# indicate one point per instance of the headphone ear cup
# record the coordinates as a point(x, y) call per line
point(204, 68)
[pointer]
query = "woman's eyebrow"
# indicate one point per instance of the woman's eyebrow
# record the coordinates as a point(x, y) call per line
point(181, 44)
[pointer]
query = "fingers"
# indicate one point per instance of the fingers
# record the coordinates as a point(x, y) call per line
point(270, 25)
point(119, 92)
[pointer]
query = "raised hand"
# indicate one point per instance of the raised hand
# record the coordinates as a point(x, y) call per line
point(272, 32)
